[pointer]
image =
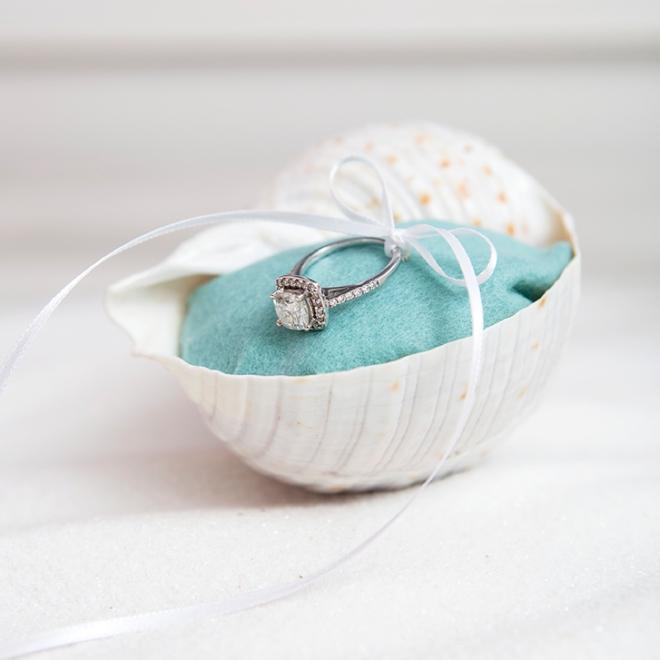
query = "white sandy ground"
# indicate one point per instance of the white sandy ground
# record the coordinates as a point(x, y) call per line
point(115, 500)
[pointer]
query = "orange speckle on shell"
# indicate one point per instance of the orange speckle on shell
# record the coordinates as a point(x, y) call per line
point(542, 302)
point(467, 148)
point(477, 222)
point(536, 346)
point(464, 394)
point(339, 139)
point(501, 197)
point(510, 229)
point(391, 159)
point(425, 198)
point(488, 171)
point(369, 146)
point(445, 163)
point(523, 392)
point(462, 190)
point(420, 139)
point(395, 386)
point(397, 217)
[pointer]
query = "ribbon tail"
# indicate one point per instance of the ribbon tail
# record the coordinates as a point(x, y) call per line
point(471, 282)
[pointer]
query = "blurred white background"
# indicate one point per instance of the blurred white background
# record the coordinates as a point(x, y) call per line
point(119, 117)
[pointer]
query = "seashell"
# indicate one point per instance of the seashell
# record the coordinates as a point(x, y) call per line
point(382, 426)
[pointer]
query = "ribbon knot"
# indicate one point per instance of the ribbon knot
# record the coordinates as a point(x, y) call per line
point(397, 238)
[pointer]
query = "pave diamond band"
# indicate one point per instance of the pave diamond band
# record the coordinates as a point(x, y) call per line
point(301, 303)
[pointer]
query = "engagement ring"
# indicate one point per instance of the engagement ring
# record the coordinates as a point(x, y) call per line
point(301, 303)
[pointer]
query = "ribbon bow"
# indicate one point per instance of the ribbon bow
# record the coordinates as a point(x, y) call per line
point(408, 237)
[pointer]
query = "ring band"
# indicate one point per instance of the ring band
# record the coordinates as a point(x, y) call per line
point(301, 303)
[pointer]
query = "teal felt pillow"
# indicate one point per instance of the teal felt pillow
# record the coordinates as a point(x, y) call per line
point(230, 323)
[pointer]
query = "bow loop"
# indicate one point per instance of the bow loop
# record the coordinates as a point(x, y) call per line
point(385, 224)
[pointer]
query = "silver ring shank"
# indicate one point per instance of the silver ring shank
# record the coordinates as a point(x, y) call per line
point(337, 294)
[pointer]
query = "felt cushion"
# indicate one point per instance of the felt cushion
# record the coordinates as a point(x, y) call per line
point(230, 322)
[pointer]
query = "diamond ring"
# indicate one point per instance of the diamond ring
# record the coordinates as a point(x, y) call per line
point(301, 303)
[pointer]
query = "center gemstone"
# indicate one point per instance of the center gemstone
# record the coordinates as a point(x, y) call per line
point(292, 310)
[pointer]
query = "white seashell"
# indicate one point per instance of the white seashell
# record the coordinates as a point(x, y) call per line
point(382, 426)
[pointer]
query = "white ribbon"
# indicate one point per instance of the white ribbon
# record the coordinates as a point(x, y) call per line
point(354, 223)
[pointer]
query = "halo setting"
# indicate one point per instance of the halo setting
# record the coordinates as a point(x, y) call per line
point(299, 303)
